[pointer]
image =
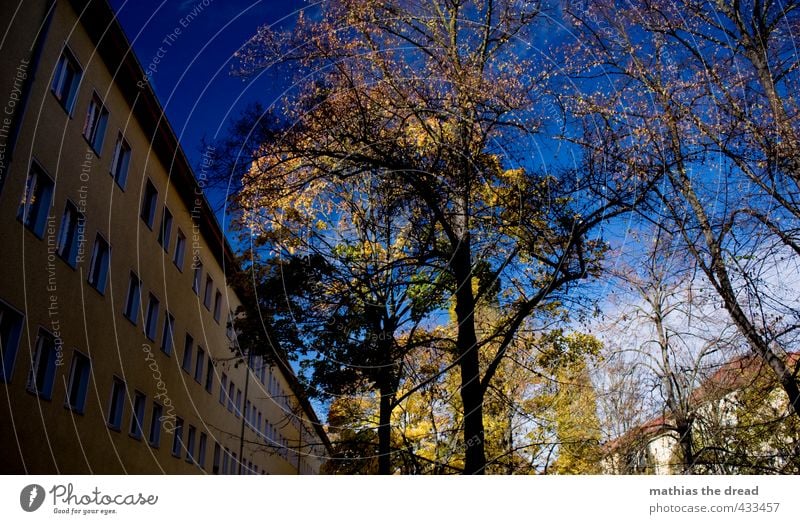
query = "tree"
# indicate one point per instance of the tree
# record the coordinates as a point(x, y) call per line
point(667, 326)
point(436, 101)
point(663, 116)
point(540, 414)
point(574, 402)
point(345, 284)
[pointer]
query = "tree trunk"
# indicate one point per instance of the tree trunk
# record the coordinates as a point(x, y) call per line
point(385, 433)
point(684, 427)
point(468, 360)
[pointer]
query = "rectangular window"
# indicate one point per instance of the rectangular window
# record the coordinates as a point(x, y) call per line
point(155, 425)
point(165, 231)
point(72, 225)
point(222, 386)
point(149, 203)
point(151, 318)
point(201, 450)
point(238, 402)
point(231, 387)
point(258, 423)
point(78, 385)
point(217, 306)
point(167, 333)
point(225, 457)
point(200, 359)
point(190, 444)
point(121, 161)
point(43, 372)
point(133, 299)
point(137, 419)
point(180, 250)
point(66, 79)
point(234, 464)
point(209, 374)
point(217, 459)
point(207, 294)
point(116, 404)
point(10, 330)
point(177, 437)
point(229, 328)
point(94, 128)
point(198, 277)
point(247, 412)
point(98, 269)
point(187, 353)
point(38, 193)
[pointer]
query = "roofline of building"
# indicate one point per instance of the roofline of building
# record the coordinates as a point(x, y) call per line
point(100, 22)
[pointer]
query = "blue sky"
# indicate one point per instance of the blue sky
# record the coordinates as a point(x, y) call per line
point(193, 42)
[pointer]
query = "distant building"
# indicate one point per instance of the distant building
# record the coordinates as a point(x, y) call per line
point(114, 308)
point(742, 424)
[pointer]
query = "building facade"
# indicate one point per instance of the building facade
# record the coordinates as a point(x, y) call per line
point(741, 423)
point(114, 309)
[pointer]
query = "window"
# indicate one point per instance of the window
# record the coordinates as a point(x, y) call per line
point(78, 385)
point(66, 79)
point(121, 161)
point(149, 202)
point(165, 231)
point(133, 298)
point(180, 250)
point(137, 420)
point(167, 334)
point(187, 353)
point(222, 385)
point(234, 465)
point(43, 371)
point(209, 374)
point(229, 328)
point(190, 444)
point(98, 270)
point(198, 276)
point(216, 464)
point(201, 450)
point(38, 192)
point(155, 425)
point(208, 291)
point(94, 128)
point(217, 306)
point(238, 402)
point(72, 224)
point(231, 387)
point(258, 423)
point(10, 330)
point(151, 319)
point(116, 405)
point(225, 457)
point(198, 364)
point(177, 437)
point(247, 412)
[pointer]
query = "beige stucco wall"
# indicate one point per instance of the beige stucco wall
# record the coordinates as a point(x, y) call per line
point(42, 436)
